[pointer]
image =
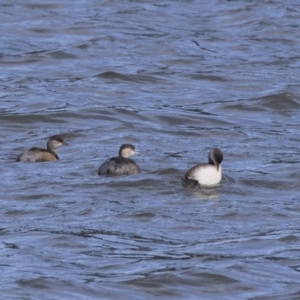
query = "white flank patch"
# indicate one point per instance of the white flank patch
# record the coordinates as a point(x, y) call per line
point(207, 175)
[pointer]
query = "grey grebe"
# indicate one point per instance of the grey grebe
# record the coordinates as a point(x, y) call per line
point(121, 165)
point(38, 154)
point(207, 174)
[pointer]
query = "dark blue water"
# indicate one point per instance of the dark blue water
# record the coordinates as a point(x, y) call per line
point(175, 79)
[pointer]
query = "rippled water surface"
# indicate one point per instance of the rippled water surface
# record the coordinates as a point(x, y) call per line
point(174, 78)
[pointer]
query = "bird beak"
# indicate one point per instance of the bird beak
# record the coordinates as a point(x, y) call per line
point(65, 144)
point(136, 152)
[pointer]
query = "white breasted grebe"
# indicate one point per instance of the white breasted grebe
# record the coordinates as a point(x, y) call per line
point(207, 174)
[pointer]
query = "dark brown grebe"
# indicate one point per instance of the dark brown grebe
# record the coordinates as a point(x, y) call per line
point(121, 165)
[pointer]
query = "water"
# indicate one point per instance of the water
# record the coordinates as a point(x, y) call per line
point(173, 78)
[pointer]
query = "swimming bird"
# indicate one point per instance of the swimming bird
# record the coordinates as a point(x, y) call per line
point(121, 165)
point(39, 154)
point(207, 174)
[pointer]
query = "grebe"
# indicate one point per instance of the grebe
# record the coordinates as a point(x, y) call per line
point(39, 154)
point(121, 165)
point(207, 174)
